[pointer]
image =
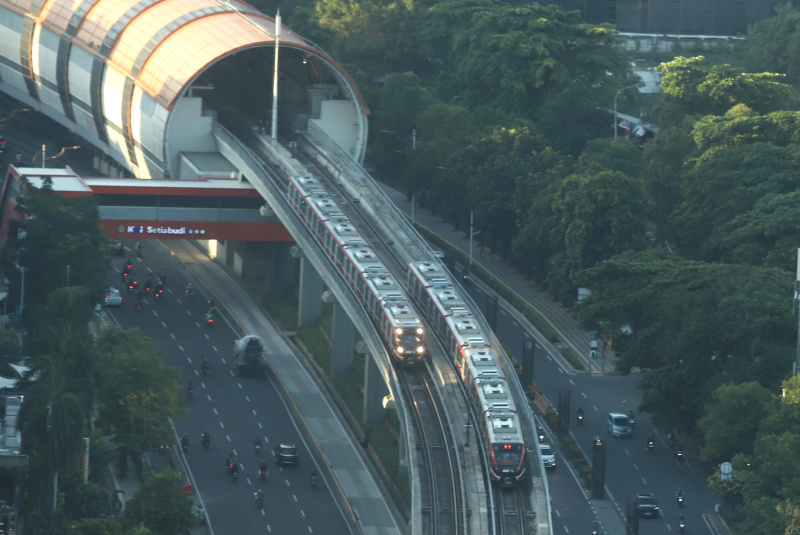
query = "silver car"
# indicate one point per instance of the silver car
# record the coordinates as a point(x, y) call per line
point(548, 457)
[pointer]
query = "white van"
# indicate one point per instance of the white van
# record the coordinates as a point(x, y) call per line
point(619, 425)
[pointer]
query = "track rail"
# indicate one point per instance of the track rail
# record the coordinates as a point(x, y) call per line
point(439, 477)
point(512, 512)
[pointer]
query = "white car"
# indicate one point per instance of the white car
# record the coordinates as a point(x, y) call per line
point(548, 457)
point(113, 298)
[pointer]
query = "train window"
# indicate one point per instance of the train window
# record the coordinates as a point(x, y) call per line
point(507, 453)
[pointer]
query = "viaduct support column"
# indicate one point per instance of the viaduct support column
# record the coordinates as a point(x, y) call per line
point(343, 337)
point(310, 308)
point(375, 391)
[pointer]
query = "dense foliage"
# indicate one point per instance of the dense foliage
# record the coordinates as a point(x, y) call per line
point(115, 385)
point(688, 245)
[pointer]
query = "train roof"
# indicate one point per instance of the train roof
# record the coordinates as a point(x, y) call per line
point(503, 427)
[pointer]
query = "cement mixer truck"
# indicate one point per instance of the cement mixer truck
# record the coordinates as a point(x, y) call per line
point(248, 356)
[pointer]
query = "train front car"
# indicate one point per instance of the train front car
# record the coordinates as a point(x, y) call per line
point(409, 335)
point(506, 448)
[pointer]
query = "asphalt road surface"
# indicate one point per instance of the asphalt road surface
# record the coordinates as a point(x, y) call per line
point(234, 410)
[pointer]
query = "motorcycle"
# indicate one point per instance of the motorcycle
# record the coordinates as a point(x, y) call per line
point(259, 499)
point(139, 305)
point(314, 478)
point(185, 444)
point(234, 472)
point(679, 498)
point(132, 285)
point(263, 474)
point(206, 441)
point(257, 448)
point(190, 393)
point(679, 454)
point(189, 294)
point(681, 525)
point(204, 370)
point(580, 418)
point(651, 445)
point(596, 529)
point(541, 435)
point(158, 294)
point(210, 320)
point(597, 441)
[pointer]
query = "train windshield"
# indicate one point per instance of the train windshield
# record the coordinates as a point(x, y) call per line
point(507, 455)
point(409, 340)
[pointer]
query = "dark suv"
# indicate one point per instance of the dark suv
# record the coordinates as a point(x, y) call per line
point(646, 505)
point(286, 454)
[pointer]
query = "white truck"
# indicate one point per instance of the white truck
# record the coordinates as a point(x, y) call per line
point(248, 356)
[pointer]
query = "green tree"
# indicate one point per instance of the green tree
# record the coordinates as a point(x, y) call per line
point(514, 58)
point(733, 419)
point(138, 391)
point(62, 245)
point(597, 213)
point(402, 99)
point(692, 89)
point(54, 417)
point(161, 506)
point(773, 44)
point(97, 526)
point(694, 325)
point(726, 183)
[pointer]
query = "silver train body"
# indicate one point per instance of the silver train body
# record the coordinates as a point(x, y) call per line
point(466, 344)
point(383, 298)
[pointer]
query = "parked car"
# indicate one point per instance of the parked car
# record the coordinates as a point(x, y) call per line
point(113, 298)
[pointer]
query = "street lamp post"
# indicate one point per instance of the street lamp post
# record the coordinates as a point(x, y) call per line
point(616, 119)
point(59, 155)
point(413, 202)
point(472, 234)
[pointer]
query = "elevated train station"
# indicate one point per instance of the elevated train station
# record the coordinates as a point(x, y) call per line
point(161, 88)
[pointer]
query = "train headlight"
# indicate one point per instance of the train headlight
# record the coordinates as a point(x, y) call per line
point(398, 331)
point(400, 350)
point(420, 350)
point(420, 330)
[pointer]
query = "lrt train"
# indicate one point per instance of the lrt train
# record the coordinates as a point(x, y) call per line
point(467, 346)
point(383, 298)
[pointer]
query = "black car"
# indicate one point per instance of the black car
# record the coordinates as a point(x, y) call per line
point(646, 505)
point(286, 454)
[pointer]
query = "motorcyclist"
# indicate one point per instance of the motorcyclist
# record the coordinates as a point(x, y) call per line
point(650, 441)
point(596, 526)
point(148, 281)
point(257, 442)
point(597, 439)
point(632, 417)
point(262, 468)
point(580, 413)
point(540, 433)
point(681, 523)
point(679, 497)
point(314, 477)
point(206, 438)
point(162, 276)
point(205, 366)
point(185, 442)
point(259, 496)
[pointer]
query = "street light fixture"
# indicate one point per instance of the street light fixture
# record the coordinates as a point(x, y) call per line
point(616, 119)
point(14, 114)
point(59, 155)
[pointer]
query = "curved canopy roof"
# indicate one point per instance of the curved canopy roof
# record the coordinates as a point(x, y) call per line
point(162, 44)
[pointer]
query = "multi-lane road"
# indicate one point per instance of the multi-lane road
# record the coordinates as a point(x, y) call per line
point(629, 468)
point(234, 410)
